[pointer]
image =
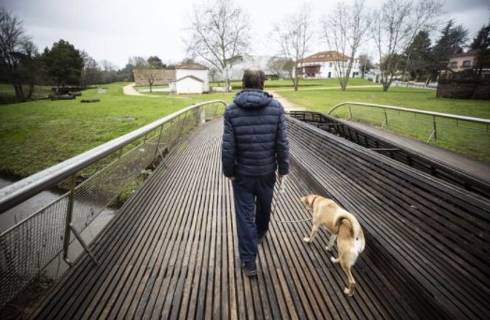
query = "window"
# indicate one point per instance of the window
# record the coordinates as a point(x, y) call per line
point(467, 64)
point(453, 64)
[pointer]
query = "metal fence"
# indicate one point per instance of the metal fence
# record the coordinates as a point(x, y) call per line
point(116, 168)
point(468, 135)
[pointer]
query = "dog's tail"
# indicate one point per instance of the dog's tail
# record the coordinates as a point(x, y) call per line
point(354, 225)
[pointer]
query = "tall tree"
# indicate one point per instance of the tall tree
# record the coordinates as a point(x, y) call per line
point(294, 34)
point(344, 29)
point(155, 62)
point(18, 55)
point(64, 63)
point(91, 72)
point(281, 66)
point(451, 42)
point(395, 26)
point(421, 56)
point(218, 33)
point(481, 45)
point(365, 64)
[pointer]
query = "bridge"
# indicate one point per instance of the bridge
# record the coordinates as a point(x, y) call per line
point(171, 250)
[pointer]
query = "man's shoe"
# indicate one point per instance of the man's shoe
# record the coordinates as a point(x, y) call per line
point(260, 238)
point(250, 269)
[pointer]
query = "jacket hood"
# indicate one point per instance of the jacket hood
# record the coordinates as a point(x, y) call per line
point(252, 99)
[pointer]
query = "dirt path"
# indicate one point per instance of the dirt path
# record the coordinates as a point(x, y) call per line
point(288, 105)
point(129, 90)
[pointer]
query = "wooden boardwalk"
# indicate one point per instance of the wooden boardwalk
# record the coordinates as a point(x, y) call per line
point(172, 253)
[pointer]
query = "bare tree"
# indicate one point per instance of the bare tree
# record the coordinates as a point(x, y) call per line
point(281, 66)
point(344, 29)
point(294, 34)
point(395, 26)
point(423, 18)
point(219, 33)
point(16, 54)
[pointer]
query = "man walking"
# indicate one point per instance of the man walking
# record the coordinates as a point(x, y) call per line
point(255, 145)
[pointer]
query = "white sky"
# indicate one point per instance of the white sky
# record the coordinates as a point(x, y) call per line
point(117, 29)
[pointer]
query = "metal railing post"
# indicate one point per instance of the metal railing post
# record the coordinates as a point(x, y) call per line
point(434, 127)
point(69, 214)
point(202, 115)
point(386, 118)
point(350, 113)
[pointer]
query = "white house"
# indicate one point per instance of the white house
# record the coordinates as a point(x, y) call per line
point(322, 65)
point(190, 78)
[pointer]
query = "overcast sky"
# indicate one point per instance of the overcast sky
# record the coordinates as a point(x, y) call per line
point(116, 29)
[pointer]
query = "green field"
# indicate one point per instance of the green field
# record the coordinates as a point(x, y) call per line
point(472, 140)
point(7, 93)
point(38, 134)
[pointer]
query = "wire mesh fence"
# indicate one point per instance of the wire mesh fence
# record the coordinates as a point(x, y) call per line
point(29, 246)
point(464, 136)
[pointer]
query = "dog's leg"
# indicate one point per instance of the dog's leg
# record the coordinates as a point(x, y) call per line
point(331, 242)
point(349, 290)
point(314, 230)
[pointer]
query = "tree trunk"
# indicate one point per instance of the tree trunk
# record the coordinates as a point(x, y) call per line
point(296, 79)
point(19, 92)
point(31, 91)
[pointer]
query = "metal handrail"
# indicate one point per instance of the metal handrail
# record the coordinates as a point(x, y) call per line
point(22, 190)
point(430, 113)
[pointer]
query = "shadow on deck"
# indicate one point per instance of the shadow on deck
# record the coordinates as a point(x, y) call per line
point(171, 252)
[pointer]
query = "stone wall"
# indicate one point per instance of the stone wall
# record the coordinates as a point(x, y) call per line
point(160, 76)
point(464, 89)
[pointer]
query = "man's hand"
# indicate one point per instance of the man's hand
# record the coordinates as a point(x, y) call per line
point(282, 181)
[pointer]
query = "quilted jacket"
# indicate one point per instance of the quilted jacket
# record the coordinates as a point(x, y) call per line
point(255, 139)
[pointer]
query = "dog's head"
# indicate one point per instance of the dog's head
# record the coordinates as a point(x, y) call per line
point(308, 200)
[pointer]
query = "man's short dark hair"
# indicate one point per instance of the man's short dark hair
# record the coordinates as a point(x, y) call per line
point(253, 79)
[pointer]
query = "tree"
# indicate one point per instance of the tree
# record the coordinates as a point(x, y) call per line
point(420, 56)
point(155, 62)
point(280, 66)
point(343, 30)
point(395, 26)
point(365, 64)
point(19, 63)
point(451, 42)
point(481, 45)
point(219, 32)
point(294, 34)
point(63, 63)
point(91, 72)
point(138, 62)
point(423, 18)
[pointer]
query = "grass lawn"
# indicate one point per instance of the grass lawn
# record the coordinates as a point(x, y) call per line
point(38, 134)
point(7, 92)
point(472, 140)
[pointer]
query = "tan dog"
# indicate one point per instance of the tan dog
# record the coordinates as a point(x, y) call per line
point(343, 227)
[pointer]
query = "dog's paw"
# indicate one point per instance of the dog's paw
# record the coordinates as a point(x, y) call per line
point(334, 260)
point(348, 292)
point(306, 239)
point(328, 248)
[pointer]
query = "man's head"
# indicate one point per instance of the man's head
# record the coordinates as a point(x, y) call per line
point(253, 79)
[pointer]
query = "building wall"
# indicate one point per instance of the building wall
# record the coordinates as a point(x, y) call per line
point(161, 76)
point(327, 69)
point(201, 74)
point(189, 85)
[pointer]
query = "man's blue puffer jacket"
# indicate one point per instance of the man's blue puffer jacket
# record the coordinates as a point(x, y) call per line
point(255, 139)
